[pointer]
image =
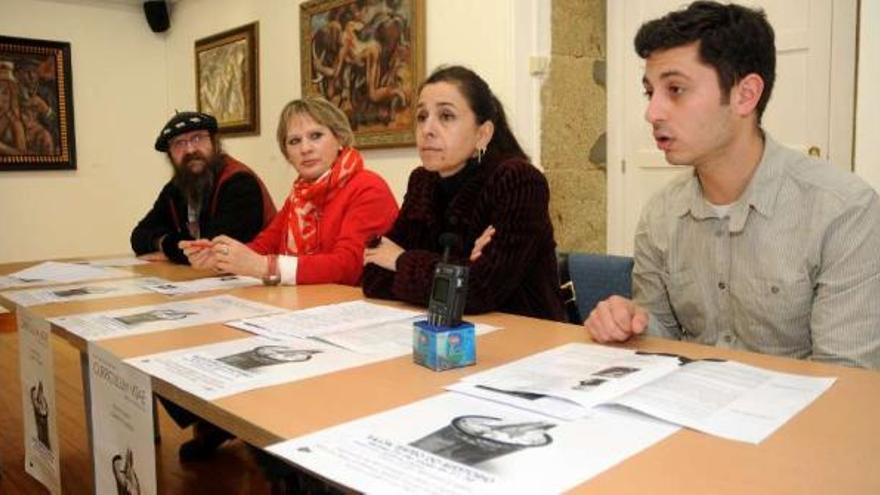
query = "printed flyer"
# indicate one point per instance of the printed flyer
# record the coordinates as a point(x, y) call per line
point(41, 450)
point(122, 423)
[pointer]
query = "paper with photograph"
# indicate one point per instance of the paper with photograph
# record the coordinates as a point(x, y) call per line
point(727, 399)
point(155, 318)
point(321, 320)
point(54, 272)
point(217, 370)
point(455, 444)
point(82, 291)
point(122, 425)
point(567, 381)
point(117, 262)
point(391, 339)
point(224, 282)
point(41, 448)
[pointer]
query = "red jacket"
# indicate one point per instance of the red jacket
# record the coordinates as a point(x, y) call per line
point(362, 208)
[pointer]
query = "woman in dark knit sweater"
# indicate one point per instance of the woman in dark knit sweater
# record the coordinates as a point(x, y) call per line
point(476, 182)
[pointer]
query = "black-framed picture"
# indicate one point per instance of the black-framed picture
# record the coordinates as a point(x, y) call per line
point(227, 79)
point(36, 105)
point(367, 57)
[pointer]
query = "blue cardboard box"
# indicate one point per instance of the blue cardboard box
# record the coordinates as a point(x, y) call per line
point(443, 348)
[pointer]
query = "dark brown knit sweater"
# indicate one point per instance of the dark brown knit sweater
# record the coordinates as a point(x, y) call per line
point(517, 271)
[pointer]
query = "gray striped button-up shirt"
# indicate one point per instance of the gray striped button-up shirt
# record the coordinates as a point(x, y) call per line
point(794, 270)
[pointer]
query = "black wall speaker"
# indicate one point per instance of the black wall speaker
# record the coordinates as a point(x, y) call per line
point(157, 15)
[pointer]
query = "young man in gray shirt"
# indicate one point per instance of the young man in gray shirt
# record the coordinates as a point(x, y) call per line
point(762, 248)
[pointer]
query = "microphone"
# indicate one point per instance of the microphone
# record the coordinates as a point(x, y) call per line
point(449, 289)
point(448, 240)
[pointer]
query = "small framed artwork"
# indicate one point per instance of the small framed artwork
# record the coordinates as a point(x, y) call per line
point(367, 57)
point(36, 105)
point(227, 79)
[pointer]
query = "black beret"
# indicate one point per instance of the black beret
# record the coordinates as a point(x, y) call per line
point(184, 122)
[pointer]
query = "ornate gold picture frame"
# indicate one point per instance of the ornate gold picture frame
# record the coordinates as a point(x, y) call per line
point(227, 79)
point(367, 57)
point(36, 105)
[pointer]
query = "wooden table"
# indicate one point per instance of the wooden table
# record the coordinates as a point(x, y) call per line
point(833, 446)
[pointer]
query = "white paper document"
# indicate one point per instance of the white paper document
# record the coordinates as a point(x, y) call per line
point(122, 425)
point(82, 291)
point(567, 381)
point(455, 444)
point(54, 272)
point(321, 320)
point(146, 319)
point(117, 262)
point(727, 399)
point(389, 340)
point(205, 284)
point(722, 398)
point(217, 370)
point(41, 448)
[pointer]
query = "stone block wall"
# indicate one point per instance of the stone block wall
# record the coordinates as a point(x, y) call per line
point(573, 130)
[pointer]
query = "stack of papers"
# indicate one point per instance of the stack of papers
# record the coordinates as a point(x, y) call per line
point(727, 399)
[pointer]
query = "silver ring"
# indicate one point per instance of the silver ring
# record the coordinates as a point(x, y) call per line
point(225, 250)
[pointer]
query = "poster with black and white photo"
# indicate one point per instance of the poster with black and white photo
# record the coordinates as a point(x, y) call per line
point(456, 444)
point(82, 291)
point(225, 282)
point(41, 450)
point(155, 318)
point(217, 370)
point(55, 272)
point(122, 424)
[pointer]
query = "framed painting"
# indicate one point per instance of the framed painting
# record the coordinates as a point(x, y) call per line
point(227, 79)
point(36, 105)
point(367, 57)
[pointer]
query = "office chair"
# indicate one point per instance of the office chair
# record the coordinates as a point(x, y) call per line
point(586, 279)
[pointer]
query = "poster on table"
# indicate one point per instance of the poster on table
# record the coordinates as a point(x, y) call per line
point(217, 370)
point(82, 291)
point(55, 272)
point(41, 449)
point(114, 262)
point(122, 425)
point(159, 317)
point(456, 444)
point(226, 282)
point(322, 320)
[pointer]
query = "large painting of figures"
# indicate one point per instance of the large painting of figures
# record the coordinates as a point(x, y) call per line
point(367, 57)
point(36, 105)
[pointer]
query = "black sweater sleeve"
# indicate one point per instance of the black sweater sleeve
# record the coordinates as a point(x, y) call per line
point(239, 214)
point(157, 222)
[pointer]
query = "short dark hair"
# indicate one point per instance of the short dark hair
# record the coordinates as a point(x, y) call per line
point(485, 106)
point(735, 40)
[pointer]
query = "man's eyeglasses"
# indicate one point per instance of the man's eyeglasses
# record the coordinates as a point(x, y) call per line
point(181, 143)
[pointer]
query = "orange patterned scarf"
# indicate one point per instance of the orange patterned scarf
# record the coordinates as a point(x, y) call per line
point(307, 198)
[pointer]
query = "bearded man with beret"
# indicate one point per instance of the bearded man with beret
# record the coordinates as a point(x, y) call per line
point(210, 194)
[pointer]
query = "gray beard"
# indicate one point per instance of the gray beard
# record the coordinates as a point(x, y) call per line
point(196, 187)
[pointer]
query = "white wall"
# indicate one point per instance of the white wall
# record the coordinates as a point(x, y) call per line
point(127, 81)
point(479, 34)
point(867, 141)
point(119, 103)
